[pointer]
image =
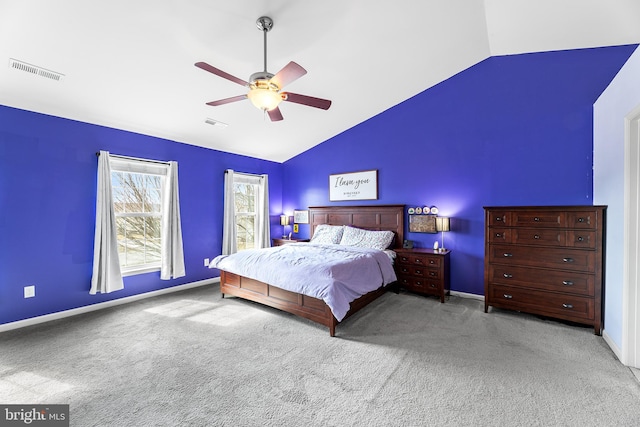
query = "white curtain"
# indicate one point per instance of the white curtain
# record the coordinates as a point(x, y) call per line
point(263, 229)
point(263, 240)
point(172, 251)
point(229, 216)
point(106, 265)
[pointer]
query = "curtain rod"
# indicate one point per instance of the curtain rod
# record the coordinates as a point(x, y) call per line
point(135, 158)
point(243, 173)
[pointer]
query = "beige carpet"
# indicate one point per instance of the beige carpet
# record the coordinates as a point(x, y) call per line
point(194, 359)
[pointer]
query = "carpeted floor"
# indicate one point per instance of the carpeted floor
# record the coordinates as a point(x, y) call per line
point(194, 359)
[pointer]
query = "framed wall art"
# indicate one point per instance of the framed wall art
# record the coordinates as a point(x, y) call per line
point(422, 223)
point(354, 186)
point(300, 217)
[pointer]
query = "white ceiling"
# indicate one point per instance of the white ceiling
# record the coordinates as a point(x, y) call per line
point(129, 64)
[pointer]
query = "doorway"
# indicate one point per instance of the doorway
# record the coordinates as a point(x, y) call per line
point(631, 278)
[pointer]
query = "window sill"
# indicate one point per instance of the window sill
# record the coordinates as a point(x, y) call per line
point(140, 270)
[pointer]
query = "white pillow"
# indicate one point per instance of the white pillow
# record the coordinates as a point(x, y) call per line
point(380, 240)
point(327, 234)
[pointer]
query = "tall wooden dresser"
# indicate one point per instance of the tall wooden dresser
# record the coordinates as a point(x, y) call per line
point(546, 260)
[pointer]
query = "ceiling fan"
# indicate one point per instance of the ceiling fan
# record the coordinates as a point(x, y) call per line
point(264, 87)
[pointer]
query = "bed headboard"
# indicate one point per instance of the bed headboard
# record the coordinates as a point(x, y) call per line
point(373, 217)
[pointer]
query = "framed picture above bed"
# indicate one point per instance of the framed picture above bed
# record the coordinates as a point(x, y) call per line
point(354, 186)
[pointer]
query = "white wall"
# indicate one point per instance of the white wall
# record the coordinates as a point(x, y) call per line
point(616, 102)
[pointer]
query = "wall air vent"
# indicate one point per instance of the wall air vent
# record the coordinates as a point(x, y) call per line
point(34, 69)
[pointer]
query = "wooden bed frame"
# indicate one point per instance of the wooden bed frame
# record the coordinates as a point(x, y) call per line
point(380, 217)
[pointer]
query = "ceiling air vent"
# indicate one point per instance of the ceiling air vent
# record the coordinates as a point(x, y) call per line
point(34, 69)
point(216, 123)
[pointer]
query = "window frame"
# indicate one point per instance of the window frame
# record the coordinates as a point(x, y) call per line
point(145, 168)
point(254, 214)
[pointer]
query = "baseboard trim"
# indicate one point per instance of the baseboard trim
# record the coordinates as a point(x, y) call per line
point(612, 345)
point(467, 295)
point(100, 306)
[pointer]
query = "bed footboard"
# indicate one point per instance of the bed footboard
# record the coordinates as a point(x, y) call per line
point(301, 305)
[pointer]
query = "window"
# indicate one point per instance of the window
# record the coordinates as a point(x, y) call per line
point(137, 203)
point(246, 215)
point(246, 212)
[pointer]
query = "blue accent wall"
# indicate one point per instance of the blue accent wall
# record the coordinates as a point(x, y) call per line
point(511, 130)
point(48, 169)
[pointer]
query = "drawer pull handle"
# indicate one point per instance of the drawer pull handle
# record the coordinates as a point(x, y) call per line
point(580, 219)
point(498, 218)
point(536, 219)
point(567, 305)
point(498, 234)
point(580, 238)
point(431, 261)
point(507, 254)
point(537, 236)
point(432, 273)
point(507, 296)
point(567, 259)
point(419, 272)
point(567, 282)
point(508, 276)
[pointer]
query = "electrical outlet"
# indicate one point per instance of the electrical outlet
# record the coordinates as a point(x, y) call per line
point(206, 262)
point(30, 291)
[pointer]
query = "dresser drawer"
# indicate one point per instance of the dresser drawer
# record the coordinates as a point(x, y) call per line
point(561, 258)
point(582, 219)
point(550, 280)
point(564, 306)
point(534, 218)
point(542, 237)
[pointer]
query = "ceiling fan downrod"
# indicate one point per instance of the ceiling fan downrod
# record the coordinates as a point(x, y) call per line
point(265, 24)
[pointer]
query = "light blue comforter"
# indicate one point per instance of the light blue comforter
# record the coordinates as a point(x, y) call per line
point(336, 274)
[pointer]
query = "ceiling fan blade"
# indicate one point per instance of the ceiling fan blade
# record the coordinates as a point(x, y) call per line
point(288, 74)
point(220, 73)
point(275, 115)
point(307, 100)
point(227, 100)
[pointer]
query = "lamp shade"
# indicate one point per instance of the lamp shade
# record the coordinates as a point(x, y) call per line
point(264, 99)
point(284, 219)
point(442, 223)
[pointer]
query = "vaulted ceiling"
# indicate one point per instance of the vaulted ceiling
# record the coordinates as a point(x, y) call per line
point(130, 64)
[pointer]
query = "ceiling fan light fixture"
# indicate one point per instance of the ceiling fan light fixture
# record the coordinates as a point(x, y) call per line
point(264, 99)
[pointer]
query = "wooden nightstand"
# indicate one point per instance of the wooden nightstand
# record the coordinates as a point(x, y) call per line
point(424, 271)
point(280, 242)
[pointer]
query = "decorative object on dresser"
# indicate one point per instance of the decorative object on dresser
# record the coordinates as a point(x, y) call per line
point(280, 242)
point(546, 260)
point(424, 271)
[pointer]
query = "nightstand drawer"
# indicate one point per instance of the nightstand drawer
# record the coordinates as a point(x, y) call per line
point(425, 260)
point(420, 285)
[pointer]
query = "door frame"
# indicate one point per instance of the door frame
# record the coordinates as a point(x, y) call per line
point(631, 275)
